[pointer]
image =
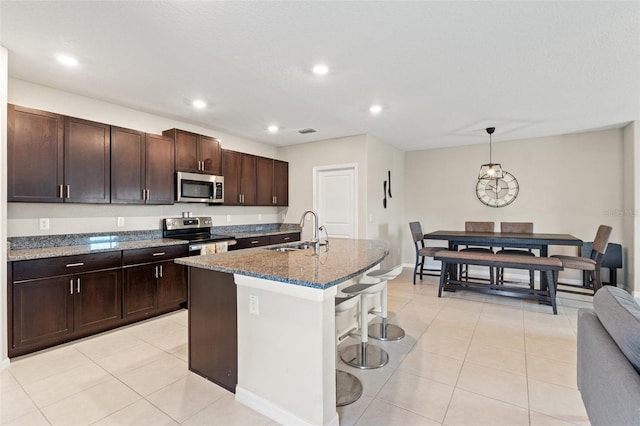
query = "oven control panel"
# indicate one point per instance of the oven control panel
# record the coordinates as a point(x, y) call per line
point(188, 223)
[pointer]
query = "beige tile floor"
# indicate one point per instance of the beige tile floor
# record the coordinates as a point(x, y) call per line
point(467, 359)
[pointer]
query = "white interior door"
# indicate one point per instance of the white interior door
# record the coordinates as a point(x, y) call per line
point(335, 195)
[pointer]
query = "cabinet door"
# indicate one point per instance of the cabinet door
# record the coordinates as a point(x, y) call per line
point(97, 302)
point(210, 154)
point(160, 174)
point(34, 155)
point(139, 290)
point(248, 180)
point(127, 166)
point(42, 311)
point(231, 169)
point(86, 161)
point(172, 284)
point(186, 151)
point(265, 181)
point(281, 182)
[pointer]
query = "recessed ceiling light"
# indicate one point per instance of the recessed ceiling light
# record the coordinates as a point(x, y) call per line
point(199, 103)
point(320, 69)
point(273, 128)
point(375, 109)
point(67, 60)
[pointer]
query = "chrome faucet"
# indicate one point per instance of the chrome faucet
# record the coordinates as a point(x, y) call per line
point(316, 239)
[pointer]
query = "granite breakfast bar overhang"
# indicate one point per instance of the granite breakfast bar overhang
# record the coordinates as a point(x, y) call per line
point(286, 351)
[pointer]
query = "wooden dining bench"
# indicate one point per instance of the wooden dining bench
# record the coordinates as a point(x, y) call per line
point(547, 265)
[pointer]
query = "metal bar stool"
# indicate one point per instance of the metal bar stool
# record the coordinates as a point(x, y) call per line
point(348, 386)
point(362, 355)
point(384, 331)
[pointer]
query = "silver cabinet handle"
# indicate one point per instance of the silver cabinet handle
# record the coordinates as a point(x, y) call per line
point(68, 191)
point(60, 194)
point(255, 242)
point(160, 253)
point(71, 265)
point(70, 286)
point(287, 238)
point(78, 285)
point(156, 271)
point(160, 271)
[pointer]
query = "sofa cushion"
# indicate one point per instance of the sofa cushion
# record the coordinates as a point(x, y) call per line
point(619, 313)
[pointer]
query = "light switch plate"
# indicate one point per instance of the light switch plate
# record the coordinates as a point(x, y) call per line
point(120, 221)
point(228, 218)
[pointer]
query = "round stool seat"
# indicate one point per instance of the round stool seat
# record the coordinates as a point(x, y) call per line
point(386, 274)
point(348, 388)
point(343, 304)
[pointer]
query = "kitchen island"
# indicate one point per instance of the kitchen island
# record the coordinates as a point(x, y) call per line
point(286, 345)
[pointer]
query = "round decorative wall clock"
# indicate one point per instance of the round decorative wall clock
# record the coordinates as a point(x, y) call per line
point(498, 192)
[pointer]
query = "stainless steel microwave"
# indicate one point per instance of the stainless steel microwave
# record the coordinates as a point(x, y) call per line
point(198, 188)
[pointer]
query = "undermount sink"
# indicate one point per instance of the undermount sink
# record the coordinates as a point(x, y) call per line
point(293, 247)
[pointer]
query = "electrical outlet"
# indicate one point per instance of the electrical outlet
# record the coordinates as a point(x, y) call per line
point(120, 221)
point(259, 217)
point(44, 223)
point(254, 306)
point(228, 218)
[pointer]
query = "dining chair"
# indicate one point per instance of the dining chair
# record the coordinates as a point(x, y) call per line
point(477, 227)
point(422, 251)
point(593, 263)
point(515, 228)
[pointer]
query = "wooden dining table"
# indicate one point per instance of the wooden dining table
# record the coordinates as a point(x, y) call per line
point(535, 241)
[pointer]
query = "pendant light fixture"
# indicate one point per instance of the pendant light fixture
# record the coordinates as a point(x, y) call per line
point(490, 170)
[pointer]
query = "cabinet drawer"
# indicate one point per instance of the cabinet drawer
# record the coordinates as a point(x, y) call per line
point(284, 238)
point(64, 265)
point(243, 243)
point(154, 254)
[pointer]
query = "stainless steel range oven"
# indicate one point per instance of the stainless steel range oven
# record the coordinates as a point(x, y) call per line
point(197, 230)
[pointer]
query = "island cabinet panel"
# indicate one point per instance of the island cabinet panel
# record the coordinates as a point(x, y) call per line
point(35, 142)
point(239, 171)
point(87, 161)
point(59, 299)
point(273, 182)
point(196, 153)
point(213, 333)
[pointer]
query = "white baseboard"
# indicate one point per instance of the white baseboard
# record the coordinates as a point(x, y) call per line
point(4, 363)
point(273, 411)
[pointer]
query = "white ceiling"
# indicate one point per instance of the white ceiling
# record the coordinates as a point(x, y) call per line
point(443, 71)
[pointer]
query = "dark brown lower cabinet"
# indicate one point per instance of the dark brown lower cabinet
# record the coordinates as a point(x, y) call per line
point(139, 294)
point(47, 311)
point(213, 331)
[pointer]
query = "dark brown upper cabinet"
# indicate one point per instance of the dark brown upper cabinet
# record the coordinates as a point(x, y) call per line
point(87, 161)
point(273, 182)
point(34, 155)
point(53, 158)
point(196, 153)
point(239, 171)
point(142, 167)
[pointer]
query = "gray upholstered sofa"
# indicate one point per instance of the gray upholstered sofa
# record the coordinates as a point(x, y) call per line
point(609, 358)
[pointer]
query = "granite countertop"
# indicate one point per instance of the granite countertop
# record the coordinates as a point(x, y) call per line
point(344, 259)
point(39, 253)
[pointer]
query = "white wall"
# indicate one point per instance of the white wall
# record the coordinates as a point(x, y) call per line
point(4, 71)
point(583, 187)
point(631, 211)
point(385, 224)
point(79, 218)
point(303, 158)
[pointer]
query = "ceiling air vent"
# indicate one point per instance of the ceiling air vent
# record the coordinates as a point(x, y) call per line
point(308, 130)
